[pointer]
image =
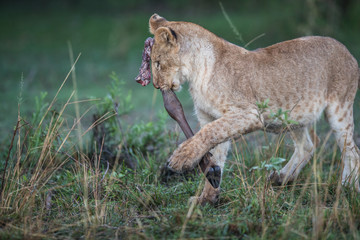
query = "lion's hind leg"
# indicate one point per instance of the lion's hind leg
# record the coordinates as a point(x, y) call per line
point(304, 149)
point(340, 117)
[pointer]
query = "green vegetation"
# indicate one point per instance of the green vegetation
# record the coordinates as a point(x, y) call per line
point(55, 188)
point(84, 157)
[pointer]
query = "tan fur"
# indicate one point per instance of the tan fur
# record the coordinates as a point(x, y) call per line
point(306, 76)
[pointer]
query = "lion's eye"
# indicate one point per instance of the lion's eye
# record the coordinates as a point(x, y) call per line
point(157, 64)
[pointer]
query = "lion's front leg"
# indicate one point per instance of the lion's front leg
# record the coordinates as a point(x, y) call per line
point(209, 193)
point(189, 153)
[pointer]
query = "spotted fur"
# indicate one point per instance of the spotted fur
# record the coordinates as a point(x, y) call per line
point(306, 76)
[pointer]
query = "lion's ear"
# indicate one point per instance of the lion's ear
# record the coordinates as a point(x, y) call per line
point(165, 35)
point(155, 22)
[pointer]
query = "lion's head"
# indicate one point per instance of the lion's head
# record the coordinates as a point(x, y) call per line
point(165, 54)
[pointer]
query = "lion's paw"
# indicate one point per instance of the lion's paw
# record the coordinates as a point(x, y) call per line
point(184, 158)
point(279, 179)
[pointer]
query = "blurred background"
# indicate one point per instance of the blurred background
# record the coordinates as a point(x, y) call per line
point(37, 38)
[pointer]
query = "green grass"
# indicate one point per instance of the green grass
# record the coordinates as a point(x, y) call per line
point(85, 200)
point(59, 184)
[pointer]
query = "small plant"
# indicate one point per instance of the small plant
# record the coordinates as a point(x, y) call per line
point(263, 106)
point(117, 99)
point(280, 121)
point(40, 107)
point(150, 136)
point(279, 115)
point(142, 138)
point(273, 164)
point(283, 117)
point(115, 104)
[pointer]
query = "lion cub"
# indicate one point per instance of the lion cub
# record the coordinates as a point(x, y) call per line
point(307, 76)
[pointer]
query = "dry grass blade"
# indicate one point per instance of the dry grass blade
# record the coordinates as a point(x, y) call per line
point(7, 160)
